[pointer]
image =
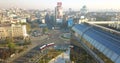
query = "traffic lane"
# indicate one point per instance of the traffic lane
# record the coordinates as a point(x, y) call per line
point(38, 42)
point(31, 54)
point(21, 60)
point(44, 42)
point(25, 58)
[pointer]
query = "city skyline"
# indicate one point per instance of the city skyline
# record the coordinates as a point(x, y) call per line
point(74, 4)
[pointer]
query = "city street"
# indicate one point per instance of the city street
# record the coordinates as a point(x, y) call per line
point(32, 55)
point(35, 42)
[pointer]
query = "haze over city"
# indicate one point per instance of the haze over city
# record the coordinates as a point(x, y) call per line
point(74, 4)
point(59, 31)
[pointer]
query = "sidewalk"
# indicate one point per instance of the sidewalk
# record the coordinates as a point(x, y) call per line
point(62, 58)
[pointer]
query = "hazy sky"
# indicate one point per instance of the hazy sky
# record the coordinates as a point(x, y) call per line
point(74, 4)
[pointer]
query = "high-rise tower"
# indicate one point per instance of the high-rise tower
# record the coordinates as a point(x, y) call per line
point(58, 13)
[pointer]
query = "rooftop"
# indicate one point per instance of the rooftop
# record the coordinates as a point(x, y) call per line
point(105, 38)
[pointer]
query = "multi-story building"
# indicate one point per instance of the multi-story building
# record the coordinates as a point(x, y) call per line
point(17, 31)
point(58, 13)
point(83, 11)
point(3, 33)
point(13, 31)
point(12, 22)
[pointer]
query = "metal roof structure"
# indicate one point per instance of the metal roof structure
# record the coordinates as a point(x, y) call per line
point(105, 42)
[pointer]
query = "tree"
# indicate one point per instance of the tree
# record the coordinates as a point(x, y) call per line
point(28, 27)
point(11, 44)
point(11, 47)
point(27, 41)
point(4, 54)
point(7, 40)
point(45, 30)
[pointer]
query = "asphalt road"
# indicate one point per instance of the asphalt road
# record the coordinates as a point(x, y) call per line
point(35, 42)
point(32, 55)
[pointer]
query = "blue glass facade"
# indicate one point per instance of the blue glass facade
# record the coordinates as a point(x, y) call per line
point(70, 22)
